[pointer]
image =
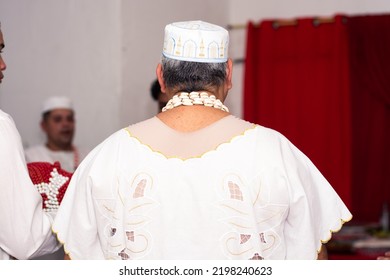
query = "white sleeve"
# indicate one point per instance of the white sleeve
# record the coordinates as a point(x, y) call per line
point(316, 210)
point(76, 223)
point(25, 227)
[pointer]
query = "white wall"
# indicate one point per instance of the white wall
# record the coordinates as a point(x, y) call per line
point(62, 47)
point(103, 53)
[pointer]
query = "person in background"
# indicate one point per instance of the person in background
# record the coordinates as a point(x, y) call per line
point(25, 228)
point(157, 95)
point(194, 181)
point(58, 123)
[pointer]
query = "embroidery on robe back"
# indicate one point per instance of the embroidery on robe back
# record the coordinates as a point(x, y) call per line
point(251, 220)
point(127, 236)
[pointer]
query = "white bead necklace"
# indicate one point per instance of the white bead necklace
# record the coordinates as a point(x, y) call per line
point(195, 98)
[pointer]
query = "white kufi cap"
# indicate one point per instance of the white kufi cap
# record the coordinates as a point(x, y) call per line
point(196, 41)
point(57, 102)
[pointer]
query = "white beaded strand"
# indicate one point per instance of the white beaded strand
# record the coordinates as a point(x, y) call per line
point(56, 181)
point(195, 98)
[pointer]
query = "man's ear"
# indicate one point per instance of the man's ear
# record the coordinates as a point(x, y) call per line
point(160, 77)
point(43, 125)
point(229, 74)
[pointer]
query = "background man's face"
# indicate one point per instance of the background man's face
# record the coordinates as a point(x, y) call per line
point(59, 127)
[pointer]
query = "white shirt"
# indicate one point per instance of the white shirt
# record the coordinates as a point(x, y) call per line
point(69, 160)
point(25, 229)
point(254, 196)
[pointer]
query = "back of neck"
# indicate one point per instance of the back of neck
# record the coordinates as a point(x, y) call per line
point(191, 118)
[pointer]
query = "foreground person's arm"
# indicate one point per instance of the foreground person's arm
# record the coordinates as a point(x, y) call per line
point(25, 227)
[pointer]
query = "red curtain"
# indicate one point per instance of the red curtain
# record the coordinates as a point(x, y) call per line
point(327, 88)
point(297, 82)
point(370, 87)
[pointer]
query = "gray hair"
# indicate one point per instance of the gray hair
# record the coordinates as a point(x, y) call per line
point(192, 76)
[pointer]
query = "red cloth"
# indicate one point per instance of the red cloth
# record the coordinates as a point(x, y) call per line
point(41, 172)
